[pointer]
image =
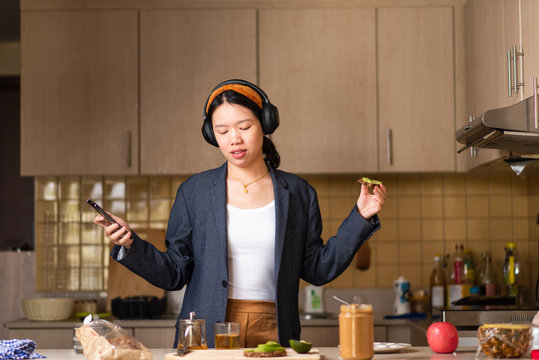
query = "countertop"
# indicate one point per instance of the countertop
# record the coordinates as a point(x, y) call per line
point(328, 353)
point(170, 321)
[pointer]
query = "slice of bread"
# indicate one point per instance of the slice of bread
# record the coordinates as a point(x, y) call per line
point(254, 354)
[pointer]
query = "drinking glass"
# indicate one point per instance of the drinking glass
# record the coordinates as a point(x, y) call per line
point(227, 335)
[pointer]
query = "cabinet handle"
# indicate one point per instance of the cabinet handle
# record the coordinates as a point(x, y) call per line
point(535, 99)
point(513, 84)
point(509, 87)
point(389, 149)
point(515, 89)
point(473, 151)
point(129, 148)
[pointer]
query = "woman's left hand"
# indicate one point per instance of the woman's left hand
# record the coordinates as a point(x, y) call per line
point(368, 204)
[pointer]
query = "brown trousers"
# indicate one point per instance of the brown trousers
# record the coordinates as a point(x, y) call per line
point(257, 320)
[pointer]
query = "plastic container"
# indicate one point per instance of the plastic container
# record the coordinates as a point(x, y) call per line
point(504, 340)
point(48, 309)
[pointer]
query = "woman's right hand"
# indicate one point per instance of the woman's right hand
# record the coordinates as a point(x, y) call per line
point(119, 234)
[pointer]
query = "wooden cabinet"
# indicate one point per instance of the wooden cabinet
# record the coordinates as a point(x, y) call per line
point(183, 55)
point(336, 113)
point(416, 89)
point(530, 43)
point(79, 92)
point(318, 67)
point(108, 91)
point(486, 65)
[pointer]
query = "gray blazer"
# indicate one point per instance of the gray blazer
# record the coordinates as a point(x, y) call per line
point(196, 243)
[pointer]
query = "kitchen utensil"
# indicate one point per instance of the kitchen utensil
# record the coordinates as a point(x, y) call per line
point(341, 300)
point(363, 257)
point(237, 354)
point(48, 309)
point(192, 333)
point(184, 350)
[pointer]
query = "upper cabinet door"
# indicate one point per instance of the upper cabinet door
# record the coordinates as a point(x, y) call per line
point(530, 43)
point(318, 67)
point(416, 89)
point(487, 71)
point(513, 44)
point(79, 92)
point(184, 54)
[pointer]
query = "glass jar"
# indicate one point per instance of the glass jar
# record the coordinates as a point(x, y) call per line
point(356, 332)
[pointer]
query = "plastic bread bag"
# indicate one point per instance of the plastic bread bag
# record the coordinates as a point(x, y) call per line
point(504, 340)
point(102, 340)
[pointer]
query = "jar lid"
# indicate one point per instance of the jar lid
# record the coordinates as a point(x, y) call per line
point(356, 308)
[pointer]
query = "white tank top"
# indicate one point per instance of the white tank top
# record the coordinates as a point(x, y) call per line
point(251, 253)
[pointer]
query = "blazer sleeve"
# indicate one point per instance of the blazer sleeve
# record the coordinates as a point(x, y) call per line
point(324, 262)
point(171, 269)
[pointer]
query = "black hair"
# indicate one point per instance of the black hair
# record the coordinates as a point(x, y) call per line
point(271, 156)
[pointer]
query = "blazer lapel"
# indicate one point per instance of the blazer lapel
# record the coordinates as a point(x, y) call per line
point(218, 201)
point(282, 200)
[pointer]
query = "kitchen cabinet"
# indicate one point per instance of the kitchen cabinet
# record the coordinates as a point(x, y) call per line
point(492, 28)
point(79, 92)
point(416, 89)
point(134, 81)
point(318, 67)
point(183, 55)
point(530, 43)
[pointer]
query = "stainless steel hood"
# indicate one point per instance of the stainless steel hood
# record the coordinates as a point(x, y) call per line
point(512, 128)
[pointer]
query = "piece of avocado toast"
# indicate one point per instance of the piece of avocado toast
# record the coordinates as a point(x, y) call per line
point(269, 349)
point(369, 182)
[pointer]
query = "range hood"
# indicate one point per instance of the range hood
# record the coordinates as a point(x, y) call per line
point(514, 128)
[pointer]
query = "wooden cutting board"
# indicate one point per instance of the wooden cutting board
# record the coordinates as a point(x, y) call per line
point(124, 283)
point(214, 354)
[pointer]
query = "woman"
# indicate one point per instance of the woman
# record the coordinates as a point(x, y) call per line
point(242, 235)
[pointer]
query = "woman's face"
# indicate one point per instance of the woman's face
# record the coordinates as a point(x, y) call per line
point(238, 133)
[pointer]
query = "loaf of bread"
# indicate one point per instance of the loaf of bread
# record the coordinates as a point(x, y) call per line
point(102, 340)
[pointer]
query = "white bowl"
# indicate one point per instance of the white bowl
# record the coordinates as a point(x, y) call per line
point(48, 309)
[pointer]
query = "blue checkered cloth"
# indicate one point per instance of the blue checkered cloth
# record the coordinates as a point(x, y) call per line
point(18, 349)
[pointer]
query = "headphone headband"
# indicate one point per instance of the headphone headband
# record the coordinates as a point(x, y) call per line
point(269, 113)
point(239, 88)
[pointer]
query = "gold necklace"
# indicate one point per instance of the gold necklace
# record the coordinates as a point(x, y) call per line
point(245, 191)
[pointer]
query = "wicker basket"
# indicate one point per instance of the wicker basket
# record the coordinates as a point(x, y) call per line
point(48, 309)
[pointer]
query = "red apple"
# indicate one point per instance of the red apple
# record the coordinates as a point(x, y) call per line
point(442, 337)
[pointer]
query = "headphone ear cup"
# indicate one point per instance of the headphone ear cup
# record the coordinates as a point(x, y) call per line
point(270, 118)
point(207, 132)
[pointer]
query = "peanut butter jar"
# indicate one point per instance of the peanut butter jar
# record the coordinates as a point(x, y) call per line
point(356, 332)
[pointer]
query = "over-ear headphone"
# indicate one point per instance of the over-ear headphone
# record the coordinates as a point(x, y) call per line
point(270, 115)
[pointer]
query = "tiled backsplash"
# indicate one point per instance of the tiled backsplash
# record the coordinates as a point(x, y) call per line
point(424, 214)
point(427, 214)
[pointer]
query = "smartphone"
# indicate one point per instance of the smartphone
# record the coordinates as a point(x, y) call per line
point(101, 211)
point(104, 214)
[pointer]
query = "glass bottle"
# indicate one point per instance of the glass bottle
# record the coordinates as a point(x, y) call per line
point(437, 284)
point(488, 278)
point(457, 273)
point(511, 270)
point(484, 254)
point(468, 267)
